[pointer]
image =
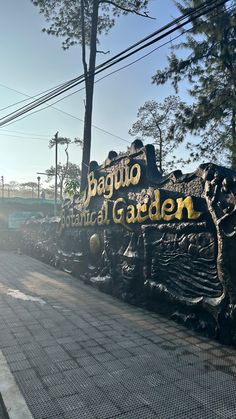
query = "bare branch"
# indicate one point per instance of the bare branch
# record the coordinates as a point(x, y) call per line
point(112, 3)
point(102, 52)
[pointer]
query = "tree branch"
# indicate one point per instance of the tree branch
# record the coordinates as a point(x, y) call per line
point(112, 3)
point(102, 52)
point(67, 156)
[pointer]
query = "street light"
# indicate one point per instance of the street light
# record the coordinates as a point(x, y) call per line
point(38, 179)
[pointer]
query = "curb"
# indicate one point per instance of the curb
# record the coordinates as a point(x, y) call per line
point(14, 402)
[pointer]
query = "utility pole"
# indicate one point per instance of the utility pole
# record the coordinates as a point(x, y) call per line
point(2, 180)
point(56, 152)
point(89, 73)
point(38, 179)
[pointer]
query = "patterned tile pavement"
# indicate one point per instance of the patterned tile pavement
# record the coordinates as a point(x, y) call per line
point(78, 353)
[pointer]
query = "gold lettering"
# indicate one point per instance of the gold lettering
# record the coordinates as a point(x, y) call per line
point(63, 220)
point(92, 188)
point(119, 177)
point(118, 214)
point(154, 209)
point(83, 218)
point(168, 207)
point(142, 208)
point(126, 173)
point(109, 186)
point(100, 217)
point(101, 185)
point(105, 206)
point(62, 223)
point(123, 175)
point(169, 210)
point(188, 204)
point(130, 215)
point(86, 218)
point(77, 220)
point(135, 174)
point(93, 218)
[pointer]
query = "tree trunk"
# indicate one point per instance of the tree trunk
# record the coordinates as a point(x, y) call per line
point(161, 154)
point(89, 86)
point(233, 155)
point(160, 147)
point(67, 157)
point(61, 191)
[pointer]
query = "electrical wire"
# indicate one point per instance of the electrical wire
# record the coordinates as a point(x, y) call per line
point(98, 69)
point(113, 72)
point(117, 70)
point(64, 112)
point(56, 93)
point(24, 138)
point(25, 133)
point(29, 97)
point(51, 105)
point(175, 21)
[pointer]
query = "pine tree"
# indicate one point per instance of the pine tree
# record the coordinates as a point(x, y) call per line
point(162, 123)
point(65, 173)
point(82, 21)
point(209, 65)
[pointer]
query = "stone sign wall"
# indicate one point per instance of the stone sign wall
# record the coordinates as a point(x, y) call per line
point(162, 242)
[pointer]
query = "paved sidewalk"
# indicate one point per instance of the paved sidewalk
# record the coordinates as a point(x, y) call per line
point(78, 353)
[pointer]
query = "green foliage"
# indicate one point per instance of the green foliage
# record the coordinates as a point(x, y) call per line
point(60, 140)
point(31, 185)
point(65, 17)
point(210, 69)
point(163, 124)
point(72, 187)
point(82, 21)
point(65, 173)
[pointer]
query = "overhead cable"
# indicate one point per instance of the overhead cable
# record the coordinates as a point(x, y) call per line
point(74, 80)
point(111, 62)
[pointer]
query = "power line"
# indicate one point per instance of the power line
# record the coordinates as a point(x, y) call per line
point(68, 114)
point(93, 125)
point(112, 61)
point(116, 71)
point(34, 136)
point(34, 104)
point(145, 55)
point(29, 97)
point(175, 21)
point(79, 90)
point(24, 138)
point(26, 133)
point(113, 72)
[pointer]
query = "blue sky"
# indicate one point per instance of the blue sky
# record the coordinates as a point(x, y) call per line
point(32, 61)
